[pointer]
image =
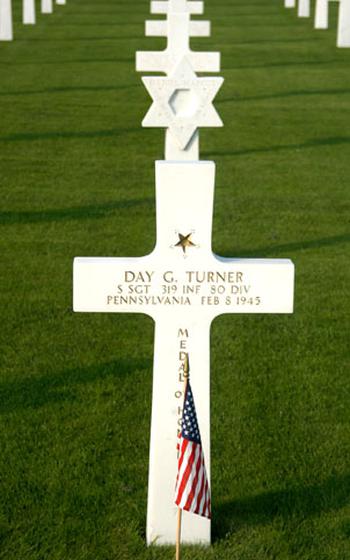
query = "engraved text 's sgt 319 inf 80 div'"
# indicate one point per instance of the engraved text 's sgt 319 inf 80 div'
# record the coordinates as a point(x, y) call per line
point(182, 285)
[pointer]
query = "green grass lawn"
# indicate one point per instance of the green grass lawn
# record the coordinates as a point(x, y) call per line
point(77, 178)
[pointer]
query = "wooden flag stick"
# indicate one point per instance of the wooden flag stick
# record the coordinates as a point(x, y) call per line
point(179, 511)
point(178, 534)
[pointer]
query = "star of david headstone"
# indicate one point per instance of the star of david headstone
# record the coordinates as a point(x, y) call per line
point(182, 102)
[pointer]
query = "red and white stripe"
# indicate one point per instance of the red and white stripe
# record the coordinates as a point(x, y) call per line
point(192, 490)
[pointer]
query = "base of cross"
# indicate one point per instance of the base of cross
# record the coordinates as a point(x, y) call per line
point(183, 285)
point(173, 341)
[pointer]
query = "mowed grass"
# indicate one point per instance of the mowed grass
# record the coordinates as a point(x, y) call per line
point(77, 179)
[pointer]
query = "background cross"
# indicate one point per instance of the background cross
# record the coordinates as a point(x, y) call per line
point(178, 28)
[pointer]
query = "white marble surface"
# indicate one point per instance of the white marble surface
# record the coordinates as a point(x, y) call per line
point(179, 6)
point(343, 39)
point(178, 28)
point(304, 8)
point(182, 103)
point(321, 14)
point(6, 27)
point(28, 8)
point(46, 6)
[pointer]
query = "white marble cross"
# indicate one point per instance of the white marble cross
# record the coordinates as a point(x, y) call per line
point(321, 19)
point(289, 3)
point(180, 6)
point(28, 12)
point(6, 28)
point(46, 6)
point(304, 8)
point(178, 28)
point(182, 285)
point(321, 14)
point(343, 39)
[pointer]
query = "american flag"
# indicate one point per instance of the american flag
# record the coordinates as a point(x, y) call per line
point(192, 490)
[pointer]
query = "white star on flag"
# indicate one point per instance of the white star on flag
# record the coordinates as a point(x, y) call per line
point(182, 102)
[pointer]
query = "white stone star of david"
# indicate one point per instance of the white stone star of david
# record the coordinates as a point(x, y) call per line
point(182, 102)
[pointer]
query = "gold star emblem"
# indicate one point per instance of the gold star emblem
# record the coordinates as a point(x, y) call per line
point(185, 242)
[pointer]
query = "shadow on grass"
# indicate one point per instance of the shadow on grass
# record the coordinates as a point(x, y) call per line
point(296, 503)
point(73, 61)
point(36, 392)
point(96, 24)
point(269, 41)
point(101, 12)
point(65, 214)
point(57, 135)
point(290, 247)
point(101, 37)
point(317, 142)
point(278, 65)
point(286, 94)
point(237, 5)
point(68, 89)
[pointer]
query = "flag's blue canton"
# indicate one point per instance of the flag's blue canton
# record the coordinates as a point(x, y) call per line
point(190, 429)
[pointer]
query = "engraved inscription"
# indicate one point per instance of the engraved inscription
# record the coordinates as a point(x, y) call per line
point(183, 373)
point(184, 288)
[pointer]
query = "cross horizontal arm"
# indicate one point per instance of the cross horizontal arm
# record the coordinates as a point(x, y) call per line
point(214, 287)
point(160, 28)
point(155, 61)
point(182, 275)
point(162, 7)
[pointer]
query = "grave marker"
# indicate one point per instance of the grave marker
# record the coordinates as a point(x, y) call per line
point(180, 6)
point(178, 28)
point(46, 6)
point(28, 7)
point(304, 8)
point(6, 29)
point(289, 3)
point(182, 284)
point(343, 39)
point(321, 14)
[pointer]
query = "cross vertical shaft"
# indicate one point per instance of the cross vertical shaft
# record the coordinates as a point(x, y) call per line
point(179, 188)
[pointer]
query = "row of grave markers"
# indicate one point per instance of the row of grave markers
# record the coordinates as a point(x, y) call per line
point(28, 15)
point(321, 16)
